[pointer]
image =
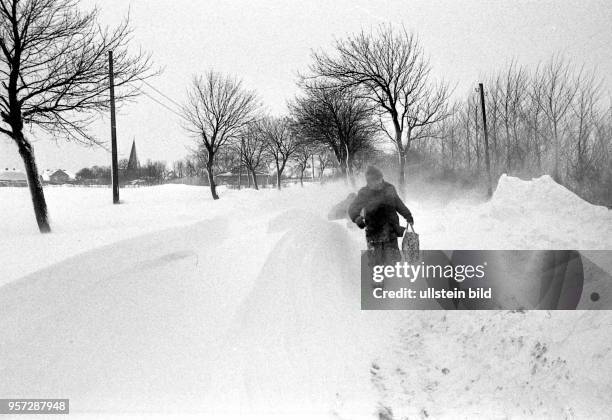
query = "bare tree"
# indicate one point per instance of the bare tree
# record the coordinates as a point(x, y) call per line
point(337, 119)
point(535, 125)
point(192, 168)
point(391, 69)
point(585, 114)
point(448, 133)
point(252, 150)
point(522, 110)
point(281, 143)
point(303, 155)
point(325, 159)
point(123, 164)
point(513, 88)
point(154, 171)
point(53, 62)
point(217, 109)
point(179, 168)
point(557, 93)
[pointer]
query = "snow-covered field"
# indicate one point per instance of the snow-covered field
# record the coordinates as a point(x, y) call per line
point(171, 303)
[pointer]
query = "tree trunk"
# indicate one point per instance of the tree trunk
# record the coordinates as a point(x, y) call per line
point(322, 167)
point(493, 133)
point(343, 173)
point(211, 180)
point(536, 146)
point(312, 163)
point(254, 175)
point(278, 177)
point(508, 158)
point(538, 157)
point(452, 136)
point(347, 162)
point(401, 152)
point(402, 169)
point(340, 157)
point(36, 189)
point(350, 171)
point(302, 179)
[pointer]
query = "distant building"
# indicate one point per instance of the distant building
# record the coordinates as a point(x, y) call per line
point(57, 176)
point(13, 178)
point(132, 170)
point(133, 163)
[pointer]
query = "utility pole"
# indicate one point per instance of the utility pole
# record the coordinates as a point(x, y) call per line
point(477, 143)
point(114, 163)
point(486, 139)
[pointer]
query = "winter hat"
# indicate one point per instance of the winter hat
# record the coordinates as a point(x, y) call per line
point(373, 173)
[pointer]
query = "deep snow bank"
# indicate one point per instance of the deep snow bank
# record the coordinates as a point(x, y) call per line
point(497, 365)
point(542, 210)
point(545, 197)
point(299, 342)
point(535, 214)
point(191, 319)
point(253, 307)
point(84, 219)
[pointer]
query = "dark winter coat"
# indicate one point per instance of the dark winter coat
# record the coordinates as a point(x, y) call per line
point(380, 208)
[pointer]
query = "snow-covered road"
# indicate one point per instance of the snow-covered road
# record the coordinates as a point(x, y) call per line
point(174, 303)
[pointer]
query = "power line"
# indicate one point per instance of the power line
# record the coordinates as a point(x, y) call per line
point(160, 103)
point(161, 93)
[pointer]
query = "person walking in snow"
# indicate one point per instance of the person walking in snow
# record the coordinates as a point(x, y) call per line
point(375, 209)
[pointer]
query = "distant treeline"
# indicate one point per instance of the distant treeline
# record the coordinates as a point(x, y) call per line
point(552, 119)
point(152, 172)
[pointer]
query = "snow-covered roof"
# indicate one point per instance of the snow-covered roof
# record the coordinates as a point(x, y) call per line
point(12, 175)
point(46, 174)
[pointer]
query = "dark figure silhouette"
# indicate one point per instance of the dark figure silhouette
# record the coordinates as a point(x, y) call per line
point(375, 209)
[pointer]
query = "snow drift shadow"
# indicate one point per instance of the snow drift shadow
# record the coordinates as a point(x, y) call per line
point(297, 335)
point(115, 328)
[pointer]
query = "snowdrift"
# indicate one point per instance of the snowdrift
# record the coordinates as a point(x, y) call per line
point(545, 197)
point(299, 341)
point(497, 365)
point(170, 317)
point(536, 214)
point(249, 306)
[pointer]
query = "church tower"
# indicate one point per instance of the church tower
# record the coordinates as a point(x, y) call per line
point(133, 164)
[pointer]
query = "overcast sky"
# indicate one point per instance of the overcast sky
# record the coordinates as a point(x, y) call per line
point(265, 43)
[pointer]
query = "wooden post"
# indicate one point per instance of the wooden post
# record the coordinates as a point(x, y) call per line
point(114, 163)
point(486, 139)
point(476, 143)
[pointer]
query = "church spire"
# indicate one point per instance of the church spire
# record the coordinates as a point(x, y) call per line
point(133, 163)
